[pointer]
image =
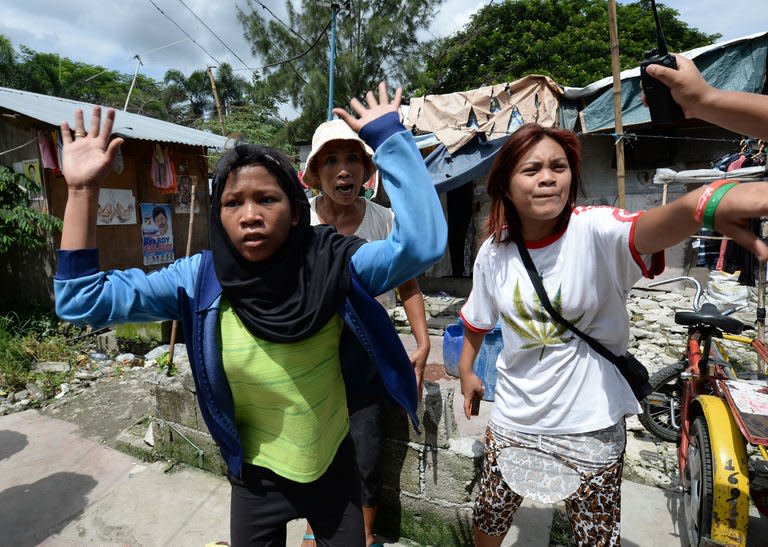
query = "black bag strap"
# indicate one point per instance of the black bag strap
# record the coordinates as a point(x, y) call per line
point(533, 273)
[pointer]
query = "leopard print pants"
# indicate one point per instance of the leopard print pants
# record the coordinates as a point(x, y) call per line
point(594, 510)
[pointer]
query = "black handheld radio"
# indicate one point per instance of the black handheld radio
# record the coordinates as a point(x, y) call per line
point(663, 107)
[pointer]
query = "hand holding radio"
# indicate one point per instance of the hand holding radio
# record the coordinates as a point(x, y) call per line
point(658, 96)
point(688, 87)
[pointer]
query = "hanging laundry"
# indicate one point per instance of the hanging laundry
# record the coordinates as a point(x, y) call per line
point(163, 173)
point(47, 155)
point(56, 137)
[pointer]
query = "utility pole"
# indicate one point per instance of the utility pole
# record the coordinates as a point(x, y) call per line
point(216, 99)
point(133, 82)
point(332, 57)
point(616, 71)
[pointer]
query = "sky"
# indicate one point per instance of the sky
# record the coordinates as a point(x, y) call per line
point(111, 32)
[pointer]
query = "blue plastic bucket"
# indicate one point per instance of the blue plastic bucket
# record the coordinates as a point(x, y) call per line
point(485, 363)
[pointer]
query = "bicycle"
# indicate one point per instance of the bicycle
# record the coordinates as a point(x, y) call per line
point(661, 409)
point(719, 415)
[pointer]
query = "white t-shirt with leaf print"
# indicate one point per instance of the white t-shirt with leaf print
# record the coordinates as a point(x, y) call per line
point(549, 380)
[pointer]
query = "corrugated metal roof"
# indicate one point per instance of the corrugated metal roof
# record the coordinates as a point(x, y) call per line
point(54, 110)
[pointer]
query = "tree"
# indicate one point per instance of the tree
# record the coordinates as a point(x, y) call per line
point(374, 39)
point(21, 226)
point(194, 90)
point(565, 39)
point(232, 89)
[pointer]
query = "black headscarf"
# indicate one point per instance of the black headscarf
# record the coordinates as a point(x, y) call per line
point(291, 295)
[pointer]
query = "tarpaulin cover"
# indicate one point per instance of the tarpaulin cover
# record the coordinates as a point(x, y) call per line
point(736, 65)
point(473, 161)
point(492, 111)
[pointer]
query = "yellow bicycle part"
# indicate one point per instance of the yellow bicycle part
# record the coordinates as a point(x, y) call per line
point(730, 496)
point(763, 452)
point(740, 338)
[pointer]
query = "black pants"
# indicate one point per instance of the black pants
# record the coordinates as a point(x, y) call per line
point(263, 502)
point(365, 428)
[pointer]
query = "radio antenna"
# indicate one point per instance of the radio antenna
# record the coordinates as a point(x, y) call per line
point(662, 42)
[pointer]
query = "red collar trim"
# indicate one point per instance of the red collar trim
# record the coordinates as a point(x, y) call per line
point(549, 240)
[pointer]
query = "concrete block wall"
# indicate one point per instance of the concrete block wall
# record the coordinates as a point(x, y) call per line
point(428, 478)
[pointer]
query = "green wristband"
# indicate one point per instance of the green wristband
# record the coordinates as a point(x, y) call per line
point(713, 202)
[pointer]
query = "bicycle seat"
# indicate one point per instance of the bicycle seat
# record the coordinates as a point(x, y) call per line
point(710, 315)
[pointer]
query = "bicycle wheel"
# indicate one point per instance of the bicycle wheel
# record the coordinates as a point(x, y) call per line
point(698, 484)
point(661, 409)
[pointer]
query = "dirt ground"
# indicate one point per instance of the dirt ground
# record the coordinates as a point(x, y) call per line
point(108, 405)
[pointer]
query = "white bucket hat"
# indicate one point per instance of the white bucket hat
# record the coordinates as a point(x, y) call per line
point(334, 130)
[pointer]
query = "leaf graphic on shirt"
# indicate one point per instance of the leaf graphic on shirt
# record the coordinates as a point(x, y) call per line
point(536, 325)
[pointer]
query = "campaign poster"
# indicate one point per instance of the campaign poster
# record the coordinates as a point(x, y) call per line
point(157, 233)
point(31, 170)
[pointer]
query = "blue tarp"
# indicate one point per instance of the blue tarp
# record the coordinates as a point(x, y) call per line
point(739, 66)
point(473, 161)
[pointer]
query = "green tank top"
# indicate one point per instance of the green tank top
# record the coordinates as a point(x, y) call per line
point(290, 402)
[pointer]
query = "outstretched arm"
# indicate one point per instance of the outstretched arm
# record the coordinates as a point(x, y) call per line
point(86, 159)
point(664, 226)
point(745, 113)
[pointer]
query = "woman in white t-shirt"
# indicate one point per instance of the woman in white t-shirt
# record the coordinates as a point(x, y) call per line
point(339, 164)
point(557, 428)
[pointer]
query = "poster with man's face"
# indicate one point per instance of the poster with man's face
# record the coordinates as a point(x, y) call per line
point(157, 233)
point(30, 169)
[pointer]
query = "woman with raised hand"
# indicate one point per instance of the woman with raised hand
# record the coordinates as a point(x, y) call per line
point(263, 311)
point(338, 164)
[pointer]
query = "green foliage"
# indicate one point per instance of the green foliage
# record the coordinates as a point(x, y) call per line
point(164, 363)
point(179, 98)
point(374, 41)
point(15, 363)
point(561, 534)
point(247, 123)
point(20, 223)
point(565, 39)
point(32, 337)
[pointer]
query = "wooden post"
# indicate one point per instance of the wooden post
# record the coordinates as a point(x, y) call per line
point(216, 99)
point(761, 274)
point(174, 325)
point(616, 70)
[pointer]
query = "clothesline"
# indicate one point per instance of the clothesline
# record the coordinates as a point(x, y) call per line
point(702, 176)
point(635, 136)
point(18, 147)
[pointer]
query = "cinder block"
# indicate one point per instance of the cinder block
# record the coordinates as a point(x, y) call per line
point(450, 476)
point(437, 422)
point(177, 405)
point(401, 466)
point(188, 446)
point(106, 342)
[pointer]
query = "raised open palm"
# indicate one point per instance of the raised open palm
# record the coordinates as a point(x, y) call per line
point(375, 109)
point(86, 157)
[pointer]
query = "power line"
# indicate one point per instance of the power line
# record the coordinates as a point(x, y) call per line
point(276, 18)
point(214, 34)
point(161, 47)
point(184, 31)
point(303, 53)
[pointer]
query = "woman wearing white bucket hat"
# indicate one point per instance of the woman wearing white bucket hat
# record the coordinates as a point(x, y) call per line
point(339, 163)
